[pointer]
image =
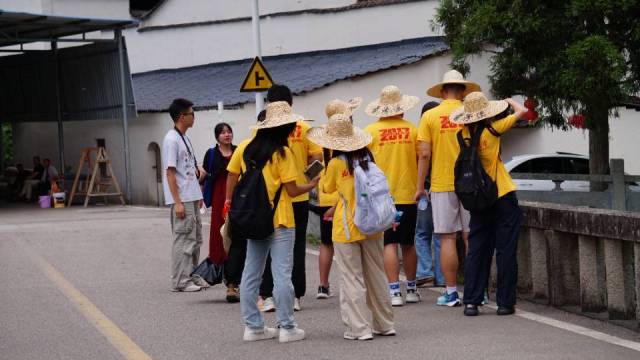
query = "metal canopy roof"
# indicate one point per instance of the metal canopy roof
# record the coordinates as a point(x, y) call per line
point(20, 28)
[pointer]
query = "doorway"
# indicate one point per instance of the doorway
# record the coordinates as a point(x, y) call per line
point(154, 179)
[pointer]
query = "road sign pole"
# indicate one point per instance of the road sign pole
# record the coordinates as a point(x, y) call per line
point(257, 48)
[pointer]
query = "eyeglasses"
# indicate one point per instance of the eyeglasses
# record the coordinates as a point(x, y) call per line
point(189, 113)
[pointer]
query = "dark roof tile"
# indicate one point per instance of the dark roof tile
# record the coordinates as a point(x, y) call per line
point(303, 72)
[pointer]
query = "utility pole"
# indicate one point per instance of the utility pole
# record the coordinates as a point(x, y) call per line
point(257, 48)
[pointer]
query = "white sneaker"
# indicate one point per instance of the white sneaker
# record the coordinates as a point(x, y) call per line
point(396, 299)
point(296, 304)
point(413, 296)
point(198, 280)
point(259, 334)
point(350, 336)
point(390, 332)
point(268, 305)
point(289, 335)
point(189, 287)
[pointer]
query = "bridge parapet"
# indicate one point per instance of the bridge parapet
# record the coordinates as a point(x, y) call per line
point(581, 257)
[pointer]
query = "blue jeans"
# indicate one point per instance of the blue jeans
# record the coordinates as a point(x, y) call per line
point(280, 245)
point(428, 257)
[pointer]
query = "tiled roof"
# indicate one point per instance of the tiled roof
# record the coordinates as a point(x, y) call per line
point(205, 85)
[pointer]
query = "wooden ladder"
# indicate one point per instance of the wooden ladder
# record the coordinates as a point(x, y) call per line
point(98, 185)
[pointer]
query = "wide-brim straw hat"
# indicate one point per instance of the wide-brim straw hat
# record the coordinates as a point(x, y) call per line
point(339, 134)
point(337, 106)
point(278, 113)
point(475, 108)
point(391, 102)
point(452, 77)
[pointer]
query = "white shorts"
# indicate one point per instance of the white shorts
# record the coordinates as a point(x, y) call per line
point(449, 216)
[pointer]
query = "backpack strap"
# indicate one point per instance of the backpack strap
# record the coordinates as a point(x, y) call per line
point(276, 201)
point(475, 137)
point(493, 131)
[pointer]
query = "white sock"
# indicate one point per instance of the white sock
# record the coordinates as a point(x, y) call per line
point(451, 289)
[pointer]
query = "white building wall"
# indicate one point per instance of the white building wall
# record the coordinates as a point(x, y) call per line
point(116, 9)
point(189, 11)
point(180, 47)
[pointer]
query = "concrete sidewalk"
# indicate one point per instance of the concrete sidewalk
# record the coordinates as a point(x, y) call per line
point(117, 261)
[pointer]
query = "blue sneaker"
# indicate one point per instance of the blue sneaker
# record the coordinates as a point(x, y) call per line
point(449, 299)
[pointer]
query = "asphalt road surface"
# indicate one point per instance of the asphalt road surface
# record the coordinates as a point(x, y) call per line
point(94, 284)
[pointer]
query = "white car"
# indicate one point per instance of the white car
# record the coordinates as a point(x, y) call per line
point(557, 163)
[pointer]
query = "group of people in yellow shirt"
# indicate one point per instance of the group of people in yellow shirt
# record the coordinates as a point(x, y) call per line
point(369, 264)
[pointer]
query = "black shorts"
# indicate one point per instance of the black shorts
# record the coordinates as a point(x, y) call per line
point(406, 231)
point(326, 227)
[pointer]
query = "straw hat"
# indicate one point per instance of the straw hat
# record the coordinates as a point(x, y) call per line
point(391, 102)
point(452, 77)
point(339, 134)
point(476, 107)
point(342, 107)
point(278, 114)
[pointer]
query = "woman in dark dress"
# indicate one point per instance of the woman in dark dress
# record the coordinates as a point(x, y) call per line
point(215, 163)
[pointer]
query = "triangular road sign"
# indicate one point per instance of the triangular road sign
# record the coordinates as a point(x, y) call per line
point(257, 79)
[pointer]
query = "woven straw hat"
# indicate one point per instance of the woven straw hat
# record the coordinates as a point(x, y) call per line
point(391, 102)
point(342, 107)
point(476, 107)
point(339, 134)
point(452, 77)
point(278, 114)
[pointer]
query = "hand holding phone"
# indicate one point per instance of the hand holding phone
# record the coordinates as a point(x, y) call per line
point(313, 170)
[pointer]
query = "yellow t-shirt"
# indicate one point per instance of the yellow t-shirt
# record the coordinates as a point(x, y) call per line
point(276, 172)
point(326, 199)
point(302, 148)
point(436, 129)
point(489, 152)
point(394, 150)
point(338, 179)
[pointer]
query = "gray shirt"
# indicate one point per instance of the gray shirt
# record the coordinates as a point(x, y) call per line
point(175, 154)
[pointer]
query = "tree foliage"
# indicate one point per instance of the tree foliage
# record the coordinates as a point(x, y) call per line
point(572, 56)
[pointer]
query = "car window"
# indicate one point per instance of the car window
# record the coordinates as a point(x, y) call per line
point(580, 166)
point(525, 167)
point(547, 165)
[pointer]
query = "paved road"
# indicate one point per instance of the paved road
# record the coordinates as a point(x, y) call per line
point(93, 284)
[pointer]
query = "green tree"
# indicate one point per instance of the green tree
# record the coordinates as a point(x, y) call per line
point(573, 56)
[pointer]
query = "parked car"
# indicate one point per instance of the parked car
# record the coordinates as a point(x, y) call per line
point(556, 163)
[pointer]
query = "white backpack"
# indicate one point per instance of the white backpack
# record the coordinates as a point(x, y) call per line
point(375, 210)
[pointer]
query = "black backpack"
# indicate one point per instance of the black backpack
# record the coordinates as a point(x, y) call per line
point(474, 187)
point(251, 215)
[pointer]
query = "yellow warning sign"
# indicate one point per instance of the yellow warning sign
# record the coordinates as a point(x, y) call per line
point(257, 79)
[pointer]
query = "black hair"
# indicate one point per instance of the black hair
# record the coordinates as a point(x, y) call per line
point(326, 156)
point(36, 158)
point(455, 87)
point(267, 142)
point(262, 115)
point(46, 159)
point(428, 106)
point(279, 92)
point(220, 127)
point(362, 156)
point(178, 107)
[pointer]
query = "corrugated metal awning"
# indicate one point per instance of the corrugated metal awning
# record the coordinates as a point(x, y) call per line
point(19, 28)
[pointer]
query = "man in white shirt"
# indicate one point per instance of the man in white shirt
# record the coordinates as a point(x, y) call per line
point(180, 180)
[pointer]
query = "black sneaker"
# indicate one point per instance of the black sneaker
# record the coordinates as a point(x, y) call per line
point(323, 292)
point(503, 310)
point(471, 310)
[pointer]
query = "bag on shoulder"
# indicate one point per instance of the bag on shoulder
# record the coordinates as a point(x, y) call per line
point(473, 186)
point(375, 210)
point(251, 214)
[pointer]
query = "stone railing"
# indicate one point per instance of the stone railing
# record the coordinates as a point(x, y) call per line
point(581, 258)
point(618, 196)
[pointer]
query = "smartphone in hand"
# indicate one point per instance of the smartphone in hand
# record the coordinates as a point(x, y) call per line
point(313, 170)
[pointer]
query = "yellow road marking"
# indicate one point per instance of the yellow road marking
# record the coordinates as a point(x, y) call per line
point(117, 338)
